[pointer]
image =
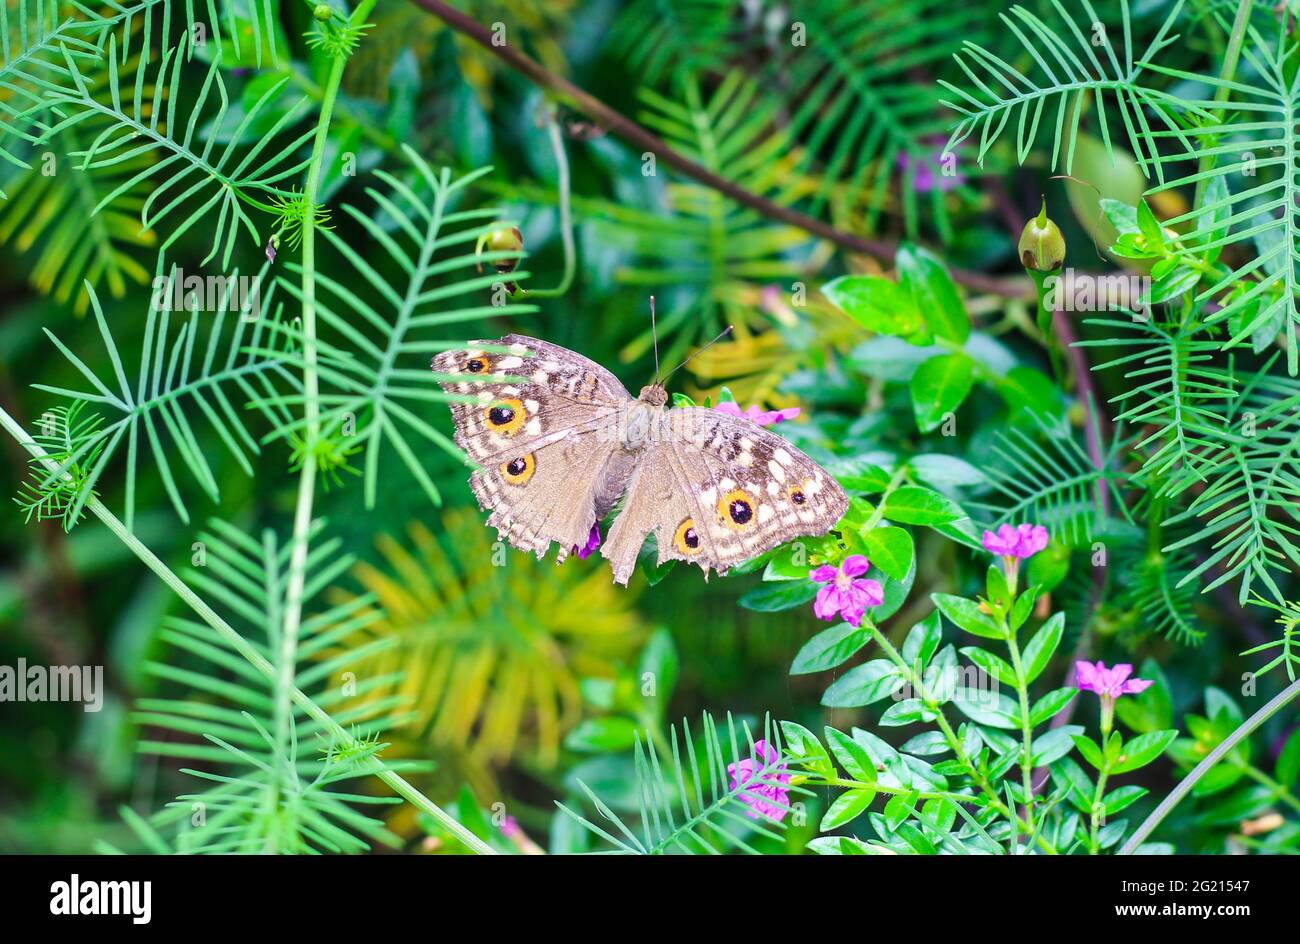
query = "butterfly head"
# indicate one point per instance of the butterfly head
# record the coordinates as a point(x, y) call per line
point(653, 394)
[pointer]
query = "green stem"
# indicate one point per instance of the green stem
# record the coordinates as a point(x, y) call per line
point(291, 622)
point(1095, 812)
point(954, 742)
point(1275, 704)
point(1279, 791)
point(244, 648)
point(566, 213)
point(1026, 728)
point(1229, 70)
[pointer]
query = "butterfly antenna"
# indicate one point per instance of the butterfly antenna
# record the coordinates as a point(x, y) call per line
point(654, 333)
point(725, 331)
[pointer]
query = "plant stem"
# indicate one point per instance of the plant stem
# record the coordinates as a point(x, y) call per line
point(1026, 728)
point(244, 648)
point(566, 213)
point(954, 742)
point(642, 140)
point(1275, 704)
point(1226, 74)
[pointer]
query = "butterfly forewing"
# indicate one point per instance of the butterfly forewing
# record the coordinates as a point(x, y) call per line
point(541, 439)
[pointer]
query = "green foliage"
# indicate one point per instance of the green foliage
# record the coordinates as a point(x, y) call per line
point(272, 775)
point(688, 799)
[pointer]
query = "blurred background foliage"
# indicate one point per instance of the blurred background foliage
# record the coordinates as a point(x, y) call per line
point(517, 679)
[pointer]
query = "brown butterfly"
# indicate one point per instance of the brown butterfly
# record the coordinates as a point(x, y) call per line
point(559, 442)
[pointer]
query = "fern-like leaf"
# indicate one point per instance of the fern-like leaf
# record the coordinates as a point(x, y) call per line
point(689, 802)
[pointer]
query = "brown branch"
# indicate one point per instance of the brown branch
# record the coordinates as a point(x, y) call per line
point(616, 123)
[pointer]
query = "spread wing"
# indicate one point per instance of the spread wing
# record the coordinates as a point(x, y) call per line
point(718, 490)
point(541, 440)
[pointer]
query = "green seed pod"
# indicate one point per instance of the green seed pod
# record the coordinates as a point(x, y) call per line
point(323, 12)
point(1042, 247)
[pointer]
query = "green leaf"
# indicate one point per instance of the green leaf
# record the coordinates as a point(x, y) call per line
point(912, 504)
point(602, 735)
point(900, 807)
point(853, 757)
point(779, 595)
point(965, 614)
point(991, 664)
point(933, 292)
point(829, 648)
point(890, 549)
point(863, 685)
point(938, 387)
point(847, 807)
point(1039, 650)
point(922, 642)
point(1122, 798)
point(1050, 704)
point(1142, 750)
point(1090, 750)
point(987, 707)
point(802, 744)
point(1288, 762)
point(876, 303)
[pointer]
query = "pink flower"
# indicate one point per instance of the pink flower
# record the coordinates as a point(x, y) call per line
point(930, 168)
point(756, 415)
point(844, 595)
point(764, 793)
point(1019, 542)
point(593, 542)
point(1108, 683)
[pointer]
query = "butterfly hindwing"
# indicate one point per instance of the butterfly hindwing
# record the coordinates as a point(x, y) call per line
point(718, 490)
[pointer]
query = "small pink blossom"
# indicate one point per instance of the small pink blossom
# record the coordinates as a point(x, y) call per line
point(593, 542)
point(1019, 542)
point(756, 415)
point(764, 794)
point(932, 169)
point(1108, 683)
point(846, 595)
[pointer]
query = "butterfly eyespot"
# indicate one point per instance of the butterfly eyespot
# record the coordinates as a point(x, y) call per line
point(476, 365)
point(687, 539)
point(797, 495)
point(736, 509)
point(505, 416)
point(519, 470)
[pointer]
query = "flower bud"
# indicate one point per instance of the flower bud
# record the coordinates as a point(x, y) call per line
point(323, 13)
point(1042, 247)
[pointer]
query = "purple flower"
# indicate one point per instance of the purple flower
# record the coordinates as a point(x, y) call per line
point(930, 168)
point(1108, 683)
point(759, 416)
point(593, 542)
point(765, 794)
point(1019, 542)
point(844, 595)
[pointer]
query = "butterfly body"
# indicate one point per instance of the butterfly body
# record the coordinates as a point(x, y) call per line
point(559, 442)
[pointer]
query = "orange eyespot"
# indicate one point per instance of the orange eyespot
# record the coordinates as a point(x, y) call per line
point(798, 494)
point(504, 416)
point(478, 365)
point(519, 470)
point(687, 539)
point(737, 509)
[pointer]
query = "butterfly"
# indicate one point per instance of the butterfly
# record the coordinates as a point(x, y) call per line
point(559, 443)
